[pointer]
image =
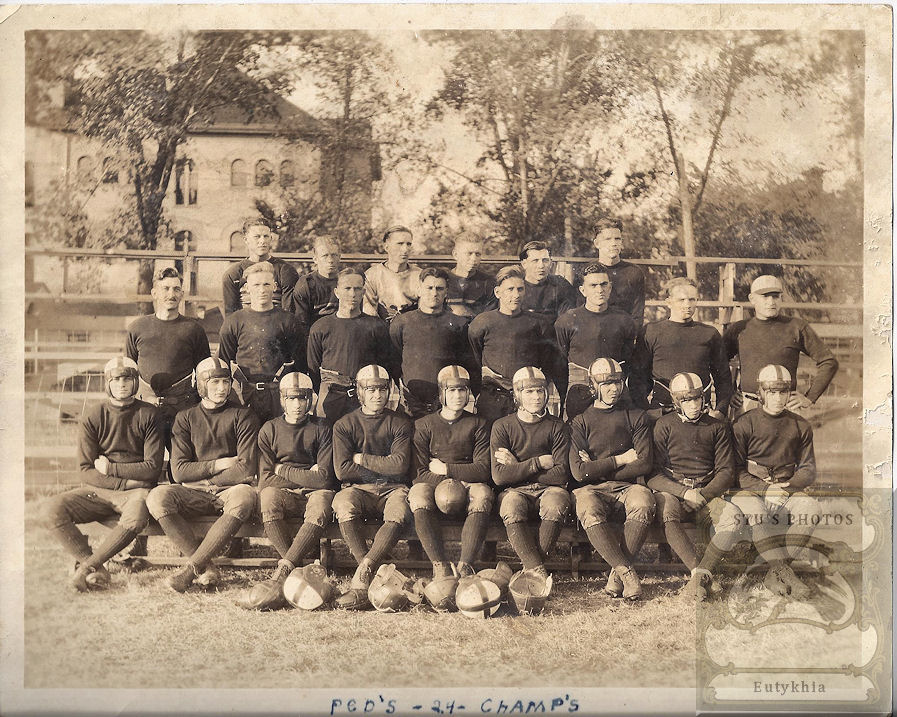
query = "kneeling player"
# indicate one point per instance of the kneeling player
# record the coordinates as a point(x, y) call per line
point(214, 452)
point(295, 475)
point(120, 450)
point(371, 458)
point(775, 462)
point(610, 450)
point(693, 468)
point(529, 460)
point(451, 447)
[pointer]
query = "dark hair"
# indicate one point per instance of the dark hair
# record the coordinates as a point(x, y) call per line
point(254, 222)
point(168, 272)
point(436, 272)
point(533, 246)
point(396, 229)
point(596, 267)
point(350, 271)
point(508, 272)
point(608, 223)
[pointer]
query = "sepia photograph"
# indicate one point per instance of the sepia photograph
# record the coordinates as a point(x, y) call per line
point(457, 359)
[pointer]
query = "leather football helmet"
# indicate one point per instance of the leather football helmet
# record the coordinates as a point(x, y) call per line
point(120, 366)
point(529, 591)
point(308, 588)
point(211, 367)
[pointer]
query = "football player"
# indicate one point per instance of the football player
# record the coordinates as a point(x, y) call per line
point(371, 457)
point(120, 451)
point(451, 449)
point(610, 454)
point(771, 337)
point(547, 295)
point(470, 291)
point(259, 242)
point(529, 465)
point(627, 279)
point(313, 296)
point(775, 463)
point(693, 469)
point(392, 286)
point(215, 458)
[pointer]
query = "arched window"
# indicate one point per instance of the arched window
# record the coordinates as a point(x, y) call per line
point(287, 173)
point(264, 173)
point(186, 242)
point(239, 177)
point(185, 182)
point(85, 168)
point(237, 246)
point(110, 173)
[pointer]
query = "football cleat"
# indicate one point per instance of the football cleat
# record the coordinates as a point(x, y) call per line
point(632, 586)
point(613, 586)
point(353, 599)
point(266, 595)
point(209, 578)
point(88, 578)
point(181, 580)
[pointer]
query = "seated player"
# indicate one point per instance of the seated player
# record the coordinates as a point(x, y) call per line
point(471, 291)
point(693, 469)
point(214, 461)
point(392, 286)
point(120, 451)
point(529, 465)
point(451, 445)
point(547, 295)
point(775, 463)
point(295, 475)
point(371, 458)
point(611, 452)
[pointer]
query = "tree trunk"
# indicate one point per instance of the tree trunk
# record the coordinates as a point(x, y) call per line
point(688, 234)
point(145, 269)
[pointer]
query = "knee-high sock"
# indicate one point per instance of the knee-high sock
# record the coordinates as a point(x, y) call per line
point(306, 540)
point(216, 539)
point(179, 532)
point(276, 531)
point(73, 540)
point(712, 556)
point(549, 530)
point(384, 541)
point(118, 539)
point(472, 536)
point(681, 543)
point(524, 545)
point(426, 523)
point(634, 534)
point(770, 541)
point(603, 539)
point(351, 532)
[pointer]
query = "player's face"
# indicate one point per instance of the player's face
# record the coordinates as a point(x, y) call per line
point(218, 389)
point(610, 391)
point(609, 243)
point(692, 407)
point(533, 399)
point(327, 260)
point(295, 408)
point(259, 240)
point(350, 291)
point(261, 287)
point(398, 247)
point(766, 306)
point(468, 256)
point(375, 397)
point(537, 265)
point(683, 302)
point(596, 290)
point(432, 294)
point(510, 294)
point(167, 293)
point(121, 387)
point(775, 400)
point(456, 397)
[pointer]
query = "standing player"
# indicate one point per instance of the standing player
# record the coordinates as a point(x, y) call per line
point(775, 463)
point(313, 296)
point(427, 339)
point(507, 339)
point(451, 446)
point(471, 291)
point(628, 280)
point(529, 465)
point(261, 343)
point(610, 455)
point(772, 337)
point(693, 469)
point(679, 345)
point(392, 286)
point(120, 451)
point(371, 457)
point(341, 343)
point(295, 476)
point(214, 458)
point(259, 241)
point(592, 331)
point(547, 294)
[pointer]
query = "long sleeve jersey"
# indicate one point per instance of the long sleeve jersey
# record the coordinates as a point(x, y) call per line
point(383, 440)
point(388, 293)
point(774, 441)
point(165, 351)
point(346, 345)
point(472, 295)
point(781, 341)
point(260, 342)
point(528, 441)
point(296, 447)
point(666, 348)
point(236, 295)
point(607, 432)
point(201, 435)
point(462, 444)
point(692, 450)
point(312, 298)
point(628, 290)
point(551, 298)
point(129, 437)
point(584, 335)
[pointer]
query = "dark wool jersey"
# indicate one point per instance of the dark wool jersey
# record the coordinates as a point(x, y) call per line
point(260, 342)
point(236, 295)
point(165, 351)
point(297, 447)
point(774, 441)
point(694, 450)
point(508, 343)
point(472, 295)
point(607, 432)
point(779, 341)
point(129, 437)
point(584, 335)
point(384, 440)
point(462, 444)
point(666, 348)
point(427, 343)
point(346, 345)
point(201, 435)
point(313, 298)
point(528, 441)
point(549, 299)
